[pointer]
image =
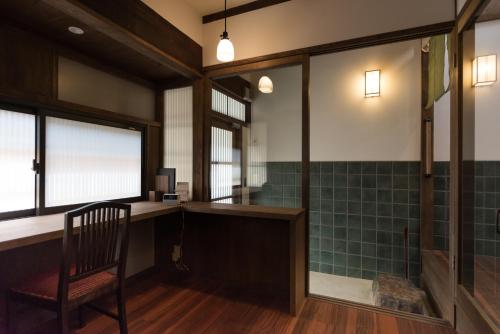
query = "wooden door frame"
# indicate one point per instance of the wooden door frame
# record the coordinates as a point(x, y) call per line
point(302, 60)
point(465, 304)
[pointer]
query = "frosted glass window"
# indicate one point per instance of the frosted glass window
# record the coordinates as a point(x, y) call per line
point(88, 162)
point(17, 151)
point(221, 170)
point(228, 106)
point(178, 134)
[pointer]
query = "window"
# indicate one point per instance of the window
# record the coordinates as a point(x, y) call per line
point(228, 106)
point(87, 162)
point(17, 151)
point(178, 133)
point(221, 170)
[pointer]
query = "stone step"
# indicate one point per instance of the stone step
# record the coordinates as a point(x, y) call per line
point(397, 293)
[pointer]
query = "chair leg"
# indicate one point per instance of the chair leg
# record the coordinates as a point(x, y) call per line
point(63, 321)
point(11, 316)
point(122, 313)
point(81, 318)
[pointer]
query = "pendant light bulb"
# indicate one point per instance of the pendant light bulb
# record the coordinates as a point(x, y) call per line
point(225, 49)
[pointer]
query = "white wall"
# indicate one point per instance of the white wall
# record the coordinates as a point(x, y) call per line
point(487, 99)
point(276, 130)
point(346, 126)
point(85, 85)
point(302, 23)
point(442, 128)
point(181, 15)
point(460, 5)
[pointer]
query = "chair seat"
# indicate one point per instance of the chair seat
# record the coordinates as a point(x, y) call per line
point(45, 286)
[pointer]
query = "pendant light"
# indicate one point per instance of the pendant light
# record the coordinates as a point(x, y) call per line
point(265, 85)
point(225, 49)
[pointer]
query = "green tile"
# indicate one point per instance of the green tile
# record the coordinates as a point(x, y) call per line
point(354, 221)
point(326, 257)
point(384, 224)
point(340, 194)
point(369, 167)
point(354, 247)
point(340, 220)
point(369, 263)
point(369, 209)
point(340, 233)
point(401, 196)
point(369, 195)
point(340, 259)
point(340, 167)
point(354, 234)
point(354, 272)
point(400, 167)
point(326, 167)
point(354, 261)
point(384, 266)
point(384, 238)
point(369, 249)
point(340, 246)
point(369, 223)
point(369, 236)
point(400, 210)
point(354, 181)
point(400, 182)
point(384, 167)
point(354, 194)
point(354, 167)
point(340, 206)
point(384, 181)
point(384, 210)
point(354, 208)
point(384, 251)
point(384, 196)
point(326, 268)
point(369, 181)
point(340, 181)
point(326, 193)
point(339, 270)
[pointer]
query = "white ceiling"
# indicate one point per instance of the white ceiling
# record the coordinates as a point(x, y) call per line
point(205, 7)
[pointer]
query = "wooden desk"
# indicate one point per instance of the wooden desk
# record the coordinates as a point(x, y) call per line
point(32, 230)
point(241, 244)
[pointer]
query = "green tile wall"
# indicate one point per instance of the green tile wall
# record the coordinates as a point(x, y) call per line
point(487, 202)
point(358, 211)
point(441, 202)
point(283, 187)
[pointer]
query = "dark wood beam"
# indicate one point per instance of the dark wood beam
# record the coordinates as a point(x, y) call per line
point(109, 28)
point(251, 6)
point(350, 44)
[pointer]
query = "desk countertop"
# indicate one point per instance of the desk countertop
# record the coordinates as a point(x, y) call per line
point(31, 230)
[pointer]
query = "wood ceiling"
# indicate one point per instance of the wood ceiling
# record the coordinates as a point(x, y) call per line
point(104, 39)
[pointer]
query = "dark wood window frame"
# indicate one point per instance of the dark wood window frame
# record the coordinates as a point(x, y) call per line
point(228, 123)
point(40, 149)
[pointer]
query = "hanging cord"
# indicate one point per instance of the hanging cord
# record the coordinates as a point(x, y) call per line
point(225, 15)
point(179, 264)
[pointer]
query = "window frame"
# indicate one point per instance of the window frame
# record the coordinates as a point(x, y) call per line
point(41, 114)
point(25, 212)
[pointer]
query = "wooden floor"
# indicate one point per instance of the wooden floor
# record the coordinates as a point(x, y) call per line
point(154, 306)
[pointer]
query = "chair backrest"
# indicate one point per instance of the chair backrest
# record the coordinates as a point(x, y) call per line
point(99, 244)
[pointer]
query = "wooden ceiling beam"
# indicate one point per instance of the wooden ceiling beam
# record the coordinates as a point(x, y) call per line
point(105, 26)
point(251, 6)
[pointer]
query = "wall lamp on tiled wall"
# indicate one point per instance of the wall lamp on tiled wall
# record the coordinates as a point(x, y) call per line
point(372, 83)
point(484, 70)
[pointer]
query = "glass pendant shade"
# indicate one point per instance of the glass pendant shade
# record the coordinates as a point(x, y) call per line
point(265, 85)
point(225, 50)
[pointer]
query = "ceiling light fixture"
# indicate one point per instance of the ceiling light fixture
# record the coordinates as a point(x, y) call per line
point(76, 30)
point(225, 49)
point(265, 85)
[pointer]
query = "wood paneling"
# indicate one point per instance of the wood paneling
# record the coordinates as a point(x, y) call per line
point(248, 7)
point(27, 64)
point(141, 20)
point(105, 40)
point(436, 281)
point(204, 306)
point(470, 317)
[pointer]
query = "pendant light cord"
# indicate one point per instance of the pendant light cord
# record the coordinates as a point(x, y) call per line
point(225, 15)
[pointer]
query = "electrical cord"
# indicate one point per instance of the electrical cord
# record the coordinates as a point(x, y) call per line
point(179, 263)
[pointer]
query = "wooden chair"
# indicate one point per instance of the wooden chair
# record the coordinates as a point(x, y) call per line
point(88, 253)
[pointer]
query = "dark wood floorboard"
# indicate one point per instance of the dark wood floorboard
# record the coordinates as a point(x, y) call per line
point(154, 306)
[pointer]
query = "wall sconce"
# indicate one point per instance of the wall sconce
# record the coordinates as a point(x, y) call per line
point(484, 70)
point(372, 83)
